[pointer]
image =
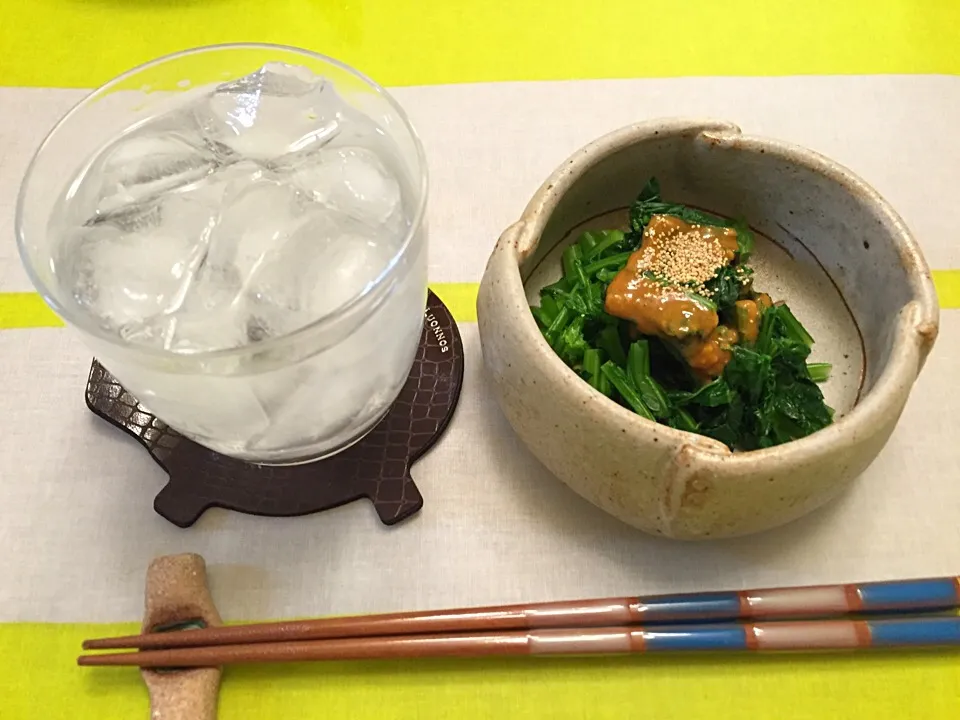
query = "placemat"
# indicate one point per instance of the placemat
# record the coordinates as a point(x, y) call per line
point(501, 93)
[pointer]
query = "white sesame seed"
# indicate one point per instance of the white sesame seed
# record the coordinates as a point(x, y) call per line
point(681, 254)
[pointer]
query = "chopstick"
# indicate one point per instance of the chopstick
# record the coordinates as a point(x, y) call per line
point(757, 637)
point(779, 603)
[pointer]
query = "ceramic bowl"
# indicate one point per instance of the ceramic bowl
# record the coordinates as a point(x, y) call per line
point(827, 243)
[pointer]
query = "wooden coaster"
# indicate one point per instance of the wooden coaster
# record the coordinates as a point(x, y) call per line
point(377, 467)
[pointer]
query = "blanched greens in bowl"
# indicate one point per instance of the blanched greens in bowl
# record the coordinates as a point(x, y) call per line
point(664, 319)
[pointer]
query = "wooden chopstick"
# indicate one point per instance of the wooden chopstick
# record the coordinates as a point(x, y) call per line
point(780, 603)
point(769, 636)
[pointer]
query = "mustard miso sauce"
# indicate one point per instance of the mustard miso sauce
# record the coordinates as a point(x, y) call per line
point(658, 309)
point(670, 226)
point(674, 250)
point(708, 357)
point(748, 319)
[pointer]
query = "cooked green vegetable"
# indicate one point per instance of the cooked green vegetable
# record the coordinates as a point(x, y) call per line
point(728, 285)
point(613, 262)
point(605, 241)
point(819, 372)
point(618, 378)
point(765, 393)
point(648, 204)
point(744, 240)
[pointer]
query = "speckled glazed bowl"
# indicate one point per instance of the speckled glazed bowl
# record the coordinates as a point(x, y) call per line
point(827, 244)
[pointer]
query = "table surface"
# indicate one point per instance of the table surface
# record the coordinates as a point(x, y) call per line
point(501, 92)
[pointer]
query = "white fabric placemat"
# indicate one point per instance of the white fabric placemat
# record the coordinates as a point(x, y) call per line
point(77, 527)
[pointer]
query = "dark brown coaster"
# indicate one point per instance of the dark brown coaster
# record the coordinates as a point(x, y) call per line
point(377, 467)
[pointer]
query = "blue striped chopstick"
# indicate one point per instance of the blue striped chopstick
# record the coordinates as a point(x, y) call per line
point(822, 601)
point(810, 635)
point(926, 594)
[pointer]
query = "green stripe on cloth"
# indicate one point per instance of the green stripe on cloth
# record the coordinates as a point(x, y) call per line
point(40, 681)
point(27, 310)
point(947, 283)
point(52, 43)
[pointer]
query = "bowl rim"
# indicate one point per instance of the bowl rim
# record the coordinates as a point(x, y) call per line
point(916, 325)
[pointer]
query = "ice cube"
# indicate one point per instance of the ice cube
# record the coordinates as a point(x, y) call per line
point(204, 406)
point(350, 262)
point(256, 215)
point(354, 181)
point(277, 110)
point(329, 260)
point(133, 265)
point(353, 382)
point(325, 400)
point(249, 221)
point(259, 213)
point(276, 79)
point(190, 330)
point(140, 167)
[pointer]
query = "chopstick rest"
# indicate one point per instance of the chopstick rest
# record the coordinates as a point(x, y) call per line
point(177, 595)
point(376, 467)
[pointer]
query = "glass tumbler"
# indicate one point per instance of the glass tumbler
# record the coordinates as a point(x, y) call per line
point(288, 397)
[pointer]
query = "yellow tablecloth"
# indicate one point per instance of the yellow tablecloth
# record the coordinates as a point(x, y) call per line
point(81, 43)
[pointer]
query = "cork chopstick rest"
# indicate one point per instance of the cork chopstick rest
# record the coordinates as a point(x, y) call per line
point(177, 595)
